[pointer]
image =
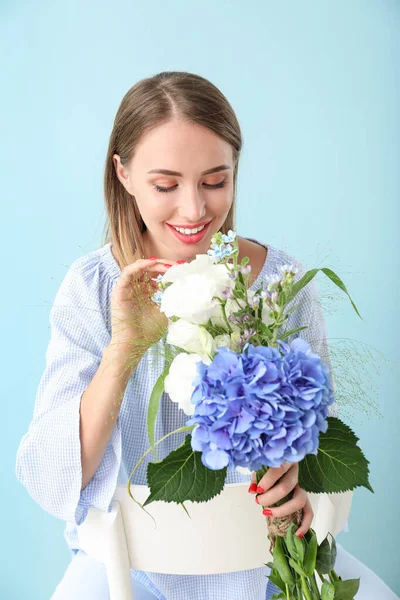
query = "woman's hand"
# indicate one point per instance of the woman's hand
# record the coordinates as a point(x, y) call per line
point(136, 319)
point(268, 494)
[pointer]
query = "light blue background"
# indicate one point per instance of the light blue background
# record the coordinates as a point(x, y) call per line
point(315, 86)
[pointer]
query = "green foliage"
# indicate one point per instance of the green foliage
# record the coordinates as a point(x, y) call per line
point(346, 590)
point(281, 563)
point(325, 557)
point(154, 404)
point(307, 277)
point(310, 557)
point(339, 465)
point(182, 476)
point(327, 591)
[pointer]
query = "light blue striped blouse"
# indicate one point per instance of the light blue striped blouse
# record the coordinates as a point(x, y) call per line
point(48, 461)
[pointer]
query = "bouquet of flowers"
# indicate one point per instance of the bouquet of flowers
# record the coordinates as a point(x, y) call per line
point(254, 400)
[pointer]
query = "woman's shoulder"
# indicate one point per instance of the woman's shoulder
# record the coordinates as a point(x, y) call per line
point(93, 269)
point(267, 259)
point(90, 276)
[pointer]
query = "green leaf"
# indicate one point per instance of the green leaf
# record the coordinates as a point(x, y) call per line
point(297, 567)
point(339, 465)
point(336, 279)
point(324, 558)
point(327, 591)
point(245, 260)
point(310, 556)
point(289, 541)
point(281, 563)
point(277, 580)
point(333, 551)
point(154, 404)
point(265, 330)
point(291, 332)
point(346, 590)
point(309, 275)
point(299, 545)
point(182, 476)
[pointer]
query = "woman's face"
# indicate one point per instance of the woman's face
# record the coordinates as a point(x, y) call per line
point(187, 198)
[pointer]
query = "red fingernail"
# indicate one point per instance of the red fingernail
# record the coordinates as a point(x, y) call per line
point(253, 488)
point(167, 265)
point(181, 262)
point(152, 257)
point(260, 490)
point(267, 512)
point(300, 535)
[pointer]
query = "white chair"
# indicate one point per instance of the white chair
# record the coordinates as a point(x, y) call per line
point(127, 538)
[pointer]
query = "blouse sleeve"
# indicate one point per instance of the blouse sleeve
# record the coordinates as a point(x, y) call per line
point(48, 461)
point(309, 312)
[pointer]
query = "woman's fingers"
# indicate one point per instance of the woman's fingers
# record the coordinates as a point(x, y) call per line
point(291, 506)
point(253, 485)
point(299, 501)
point(140, 272)
point(308, 515)
point(275, 473)
point(281, 489)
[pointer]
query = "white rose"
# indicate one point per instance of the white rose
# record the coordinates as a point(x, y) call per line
point(178, 384)
point(194, 285)
point(203, 264)
point(191, 298)
point(190, 337)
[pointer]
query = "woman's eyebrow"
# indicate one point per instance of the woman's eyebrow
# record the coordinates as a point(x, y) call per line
point(177, 174)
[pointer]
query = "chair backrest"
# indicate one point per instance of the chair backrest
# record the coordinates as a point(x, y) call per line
point(225, 534)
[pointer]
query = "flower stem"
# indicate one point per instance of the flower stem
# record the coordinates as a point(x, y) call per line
point(306, 591)
point(287, 592)
point(321, 578)
point(314, 586)
point(225, 319)
point(335, 575)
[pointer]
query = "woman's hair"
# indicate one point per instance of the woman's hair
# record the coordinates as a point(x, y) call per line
point(149, 103)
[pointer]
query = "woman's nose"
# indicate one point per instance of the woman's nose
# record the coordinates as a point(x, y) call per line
point(193, 208)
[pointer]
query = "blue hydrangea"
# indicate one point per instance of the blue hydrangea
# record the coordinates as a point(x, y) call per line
point(261, 407)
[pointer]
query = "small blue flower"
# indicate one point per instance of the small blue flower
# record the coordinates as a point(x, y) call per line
point(217, 251)
point(158, 278)
point(157, 297)
point(229, 250)
point(230, 237)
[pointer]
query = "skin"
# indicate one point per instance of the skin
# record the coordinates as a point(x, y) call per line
point(191, 149)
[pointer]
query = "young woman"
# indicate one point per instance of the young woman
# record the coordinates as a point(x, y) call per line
point(171, 166)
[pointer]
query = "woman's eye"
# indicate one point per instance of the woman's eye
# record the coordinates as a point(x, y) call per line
point(206, 185)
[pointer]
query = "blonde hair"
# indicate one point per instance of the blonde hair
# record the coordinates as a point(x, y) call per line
point(148, 104)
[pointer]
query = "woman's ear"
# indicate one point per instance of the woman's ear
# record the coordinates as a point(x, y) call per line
point(121, 172)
